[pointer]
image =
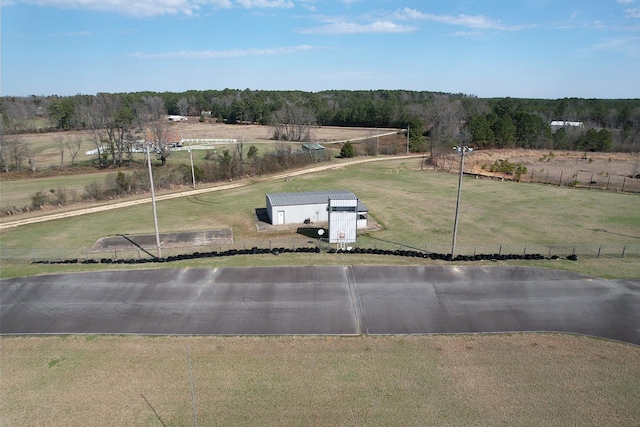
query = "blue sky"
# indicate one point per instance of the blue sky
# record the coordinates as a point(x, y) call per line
point(490, 48)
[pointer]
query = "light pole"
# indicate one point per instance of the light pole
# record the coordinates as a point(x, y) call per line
point(461, 151)
point(193, 174)
point(407, 140)
point(153, 202)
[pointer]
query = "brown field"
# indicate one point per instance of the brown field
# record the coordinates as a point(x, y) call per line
point(516, 379)
point(606, 171)
point(45, 145)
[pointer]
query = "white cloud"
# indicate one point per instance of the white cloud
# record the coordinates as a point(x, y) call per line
point(633, 13)
point(468, 33)
point(147, 8)
point(475, 21)
point(625, 1)
point(629, 46)
point(249, 4)
point(378, 27)
point(221, 54)
point(73, 34)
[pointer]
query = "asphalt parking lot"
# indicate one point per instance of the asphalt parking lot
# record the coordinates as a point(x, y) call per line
point(333, 300)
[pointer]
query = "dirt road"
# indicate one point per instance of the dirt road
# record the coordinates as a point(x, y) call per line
point(208, 189)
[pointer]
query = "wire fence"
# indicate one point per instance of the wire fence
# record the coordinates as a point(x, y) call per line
point(573, 177)
point(375, 247)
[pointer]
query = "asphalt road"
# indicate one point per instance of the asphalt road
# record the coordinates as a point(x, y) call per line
point(321, 300)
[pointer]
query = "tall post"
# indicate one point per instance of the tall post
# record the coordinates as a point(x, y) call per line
point(193, 174)
point(455, 222)
point(407, 140)
point(153, 202)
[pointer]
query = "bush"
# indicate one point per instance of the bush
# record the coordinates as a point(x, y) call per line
point(93, 191)
point(39, 200)
point(347, 150)
point(187, 177)
point(61, 196)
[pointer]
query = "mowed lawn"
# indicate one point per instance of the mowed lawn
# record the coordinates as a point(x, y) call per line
point(415, 209)
point(521, 379)
point(515, 379)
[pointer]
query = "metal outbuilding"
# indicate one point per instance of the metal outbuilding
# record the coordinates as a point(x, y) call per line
point(310, 207)
point(343, 214)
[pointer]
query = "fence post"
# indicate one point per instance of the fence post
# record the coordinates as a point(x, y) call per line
point(590, 181)
point(560, 183)
point(546, 177)
point(525, 251)
point(599, 249)
point(623, 182)
point(500, 250)
point(608, 181)
point(624, 249)
point(549, 252)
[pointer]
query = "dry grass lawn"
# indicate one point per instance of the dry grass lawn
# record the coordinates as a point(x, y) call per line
point(522, 379)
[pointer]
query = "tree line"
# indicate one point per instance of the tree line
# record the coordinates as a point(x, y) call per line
point(433, 119)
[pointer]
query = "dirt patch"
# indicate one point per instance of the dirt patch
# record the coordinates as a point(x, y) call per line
point(194, 129)
point(605, 171)
point(167, 240)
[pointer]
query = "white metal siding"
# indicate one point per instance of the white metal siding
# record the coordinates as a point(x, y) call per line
point(298, 207)
point(298, 214)
point(343, 224)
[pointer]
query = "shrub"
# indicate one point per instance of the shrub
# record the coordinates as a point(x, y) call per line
point(61, 196)
point(347, 150)
point(519, 171)
point(185, 171)
point(93, 191)
point(39, 200)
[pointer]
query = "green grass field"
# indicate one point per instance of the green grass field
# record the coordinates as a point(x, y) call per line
point(515, 379)
point(416, 209)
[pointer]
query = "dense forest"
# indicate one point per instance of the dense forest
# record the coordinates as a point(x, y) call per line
point(434, 119)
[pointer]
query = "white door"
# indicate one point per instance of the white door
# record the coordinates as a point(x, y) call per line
point(280, 217)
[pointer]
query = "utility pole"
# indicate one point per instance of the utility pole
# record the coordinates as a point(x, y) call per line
point(193, 174)
point(407, 140)
point(460, 150)
point(153, 202)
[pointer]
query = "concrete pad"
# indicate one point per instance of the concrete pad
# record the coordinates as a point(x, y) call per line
point(167, 240)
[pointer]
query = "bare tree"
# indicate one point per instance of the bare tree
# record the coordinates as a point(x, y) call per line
point(111, 122)
point(157, 129)
point(445, 118)
point(73, 146)
point(96, 114)
point(60, 145)
point(183, 107)
point(293, 123)
point(13, 153)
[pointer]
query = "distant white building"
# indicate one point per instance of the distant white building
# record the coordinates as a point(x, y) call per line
point(557, 124)
point(178, 119)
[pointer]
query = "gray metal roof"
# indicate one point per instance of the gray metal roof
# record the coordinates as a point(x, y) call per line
point(312, 198)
